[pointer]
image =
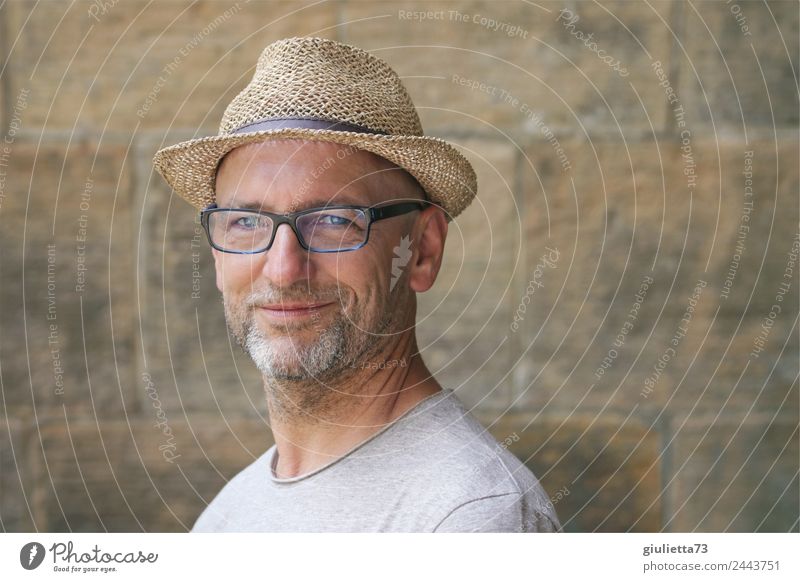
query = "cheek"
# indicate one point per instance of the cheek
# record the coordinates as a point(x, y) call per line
point(237, 275)
point(356, 272)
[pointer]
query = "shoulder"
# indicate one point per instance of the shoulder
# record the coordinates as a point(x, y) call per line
point(509, 513)
point(475, 478)
point(244, 485)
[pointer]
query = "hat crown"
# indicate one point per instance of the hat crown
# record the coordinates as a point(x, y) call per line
point(318, 78)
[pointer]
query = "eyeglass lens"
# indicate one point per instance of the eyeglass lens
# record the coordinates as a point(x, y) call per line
point(324, 230)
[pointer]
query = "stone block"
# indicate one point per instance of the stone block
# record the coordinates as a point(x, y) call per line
point(120, 477)
point(17, 510)
point(620, 218)
point(462, 321)
point(68, 281)
point(601, 473)
point(738, 475)
point(526, 69)
point(139, 65)
point(736, 65)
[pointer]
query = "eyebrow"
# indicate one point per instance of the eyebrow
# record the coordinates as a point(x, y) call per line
point(315, 203)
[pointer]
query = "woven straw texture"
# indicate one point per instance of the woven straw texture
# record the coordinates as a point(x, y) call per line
point(316, 78)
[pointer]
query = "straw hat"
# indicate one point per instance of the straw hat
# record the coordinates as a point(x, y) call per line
point(322, 90)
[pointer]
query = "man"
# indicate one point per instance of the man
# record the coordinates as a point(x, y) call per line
point(327, 210)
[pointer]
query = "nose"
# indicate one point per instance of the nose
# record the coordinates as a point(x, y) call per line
point(287, 261)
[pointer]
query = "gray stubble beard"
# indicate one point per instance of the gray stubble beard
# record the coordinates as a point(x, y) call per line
point(313, 381)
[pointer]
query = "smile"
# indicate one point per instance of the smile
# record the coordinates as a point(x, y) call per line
point(292, 312)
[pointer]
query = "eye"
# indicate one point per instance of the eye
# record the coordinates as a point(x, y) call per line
point(247, 222)
point(334, 220)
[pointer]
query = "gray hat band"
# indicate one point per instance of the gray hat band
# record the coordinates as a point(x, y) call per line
point(303, 123)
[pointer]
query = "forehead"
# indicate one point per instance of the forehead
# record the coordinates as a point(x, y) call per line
point(313, 173)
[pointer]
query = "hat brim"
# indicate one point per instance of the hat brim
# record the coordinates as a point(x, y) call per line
point(190, 167)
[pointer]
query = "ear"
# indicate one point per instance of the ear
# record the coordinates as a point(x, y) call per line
point(431, 232)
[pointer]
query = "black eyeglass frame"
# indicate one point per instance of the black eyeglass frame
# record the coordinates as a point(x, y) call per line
point(373, 213)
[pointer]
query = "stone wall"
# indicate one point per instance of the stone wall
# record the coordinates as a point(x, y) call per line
point(606, 306)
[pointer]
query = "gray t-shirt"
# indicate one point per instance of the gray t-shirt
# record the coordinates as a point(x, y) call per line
point(434, 469)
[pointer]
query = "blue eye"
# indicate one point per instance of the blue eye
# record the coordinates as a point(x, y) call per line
point(336, 220)
point(247, 222)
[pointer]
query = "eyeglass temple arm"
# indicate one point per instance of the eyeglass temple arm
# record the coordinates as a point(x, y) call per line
point(382, 212)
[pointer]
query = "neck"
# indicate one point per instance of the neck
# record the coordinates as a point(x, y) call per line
point(317, 422)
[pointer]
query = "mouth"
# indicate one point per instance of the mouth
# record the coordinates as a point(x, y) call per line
point(292, 310)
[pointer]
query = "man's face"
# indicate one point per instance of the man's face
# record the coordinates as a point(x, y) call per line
point(356, 312)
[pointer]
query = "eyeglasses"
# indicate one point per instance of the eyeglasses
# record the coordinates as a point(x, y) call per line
point(331, 229)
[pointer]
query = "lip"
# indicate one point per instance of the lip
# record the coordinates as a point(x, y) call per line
point(289, 310)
